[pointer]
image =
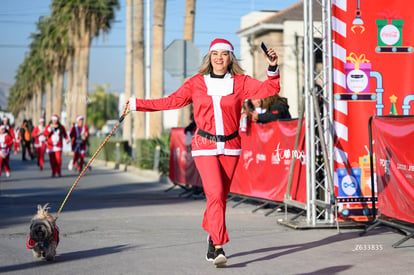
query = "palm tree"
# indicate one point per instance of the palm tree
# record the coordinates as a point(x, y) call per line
point(157, 69)
point(139, 66)
point(85, 19)
point(53, 43)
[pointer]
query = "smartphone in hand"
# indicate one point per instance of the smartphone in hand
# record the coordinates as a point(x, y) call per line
point(264, 48)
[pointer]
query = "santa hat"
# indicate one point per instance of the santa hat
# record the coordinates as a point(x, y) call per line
point(55, 117)
point(79, 117)
point(2, 127)
point(221, 44)
point(41, 119)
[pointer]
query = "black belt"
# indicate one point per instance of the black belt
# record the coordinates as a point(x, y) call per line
point(217, 138)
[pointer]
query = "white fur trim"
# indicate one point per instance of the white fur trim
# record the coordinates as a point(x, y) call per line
point(132, 103)
point(196, 153)
point(219, 86)
point(221, 46)
point(270, 73)
point(213, 152)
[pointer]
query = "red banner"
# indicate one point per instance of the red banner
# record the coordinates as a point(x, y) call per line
point(372, 57)
point(182, 168)
point(394, 159)
point(263, 168)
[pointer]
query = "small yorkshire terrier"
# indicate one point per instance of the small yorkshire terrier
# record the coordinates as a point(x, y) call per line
point(44, 234)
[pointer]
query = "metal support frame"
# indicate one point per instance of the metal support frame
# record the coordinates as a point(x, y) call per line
point(319, 207)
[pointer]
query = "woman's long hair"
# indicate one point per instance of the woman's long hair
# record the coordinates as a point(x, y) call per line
point(269, 101)
point(234, 67)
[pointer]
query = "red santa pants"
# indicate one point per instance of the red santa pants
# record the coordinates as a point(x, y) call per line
point(40, 154)
point(5, 162)
point(216, 174)
point(55, 162)
point(78, 156)
point(16, 146)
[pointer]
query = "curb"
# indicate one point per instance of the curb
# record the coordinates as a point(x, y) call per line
point(149, 174)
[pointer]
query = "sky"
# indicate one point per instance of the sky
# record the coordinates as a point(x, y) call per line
point(213, 18)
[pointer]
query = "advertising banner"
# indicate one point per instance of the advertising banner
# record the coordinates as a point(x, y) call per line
point(263, 168)
point(394, 159)
point(373, 61)
point(182, 168)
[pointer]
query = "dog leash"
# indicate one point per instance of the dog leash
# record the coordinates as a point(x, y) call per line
point(124, 114)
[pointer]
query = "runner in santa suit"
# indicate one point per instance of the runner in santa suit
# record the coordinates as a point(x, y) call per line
point(6, 143)
point(17, 140)
point(217, 93)
point(79, 135)
point(10, 131)
point(40, 142)
point(55, 133)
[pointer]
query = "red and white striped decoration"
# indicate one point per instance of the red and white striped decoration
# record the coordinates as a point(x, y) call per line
point(339, 33)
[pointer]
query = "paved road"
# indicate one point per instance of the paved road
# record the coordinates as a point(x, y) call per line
point(119, 222)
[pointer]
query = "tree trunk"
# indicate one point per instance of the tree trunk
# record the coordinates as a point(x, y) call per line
point(189, 20)
point(69, 93)
point(126, 134)
point(38, 105)
point(49, 100)
point(84, 75)
point(139, 66)
point(59, 92)
point(74, 93)
point(55, 91)
point(30, 108)
point(84, 38)
point(157, 74)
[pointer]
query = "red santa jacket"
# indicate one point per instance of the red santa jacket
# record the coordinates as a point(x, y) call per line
point(6, 142)
point(54, 138)
point(217, 105)
point(79, 137)
point(38, 136)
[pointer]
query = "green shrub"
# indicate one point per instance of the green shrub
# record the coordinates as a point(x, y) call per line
point(144, 152)
point(109, 151)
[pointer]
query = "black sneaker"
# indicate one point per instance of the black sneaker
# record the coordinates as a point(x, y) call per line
point(211, 249)
point(220, 259)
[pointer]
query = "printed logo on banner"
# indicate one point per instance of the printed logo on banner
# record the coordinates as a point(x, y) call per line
point(349, 184)
point(385, 163)
point(260, 157)
point(248, 158)
point(280, 154)
point(390, 35)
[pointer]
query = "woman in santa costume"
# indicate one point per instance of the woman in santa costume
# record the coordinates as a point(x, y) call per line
point(217, 93)
point(10, 131)
point(79, 135)
point(55, 133)
point(6, 142)
point(40, 142)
